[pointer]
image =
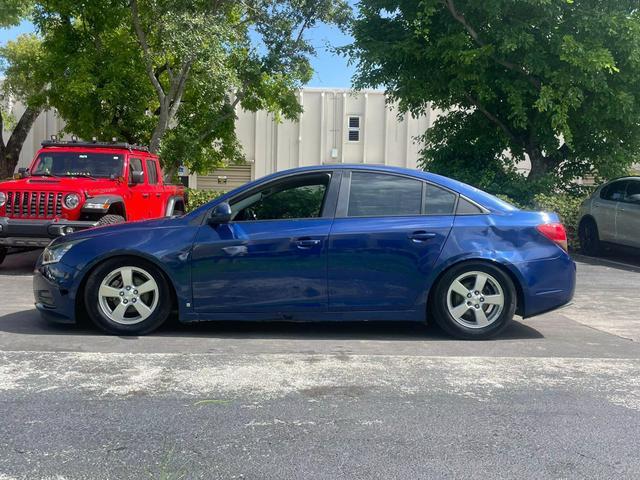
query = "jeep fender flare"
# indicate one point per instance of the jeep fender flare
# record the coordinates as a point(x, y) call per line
point(103, 203)
point(172, 202)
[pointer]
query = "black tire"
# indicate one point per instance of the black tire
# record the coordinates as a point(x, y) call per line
point(97, 313)
point(589, 236)
point(443, 317)
point(3, 254)
point(110, 220)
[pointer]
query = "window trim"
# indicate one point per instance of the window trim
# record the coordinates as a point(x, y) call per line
point(342, 209)
point(357, 129)
point(329, 201)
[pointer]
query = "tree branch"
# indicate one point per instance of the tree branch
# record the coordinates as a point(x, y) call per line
point(221, 118)
point(142, 39)
point(460, 18)
point(493, 118)
point(177, 89)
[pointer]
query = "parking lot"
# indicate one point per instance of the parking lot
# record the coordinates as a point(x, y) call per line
point(555, 396)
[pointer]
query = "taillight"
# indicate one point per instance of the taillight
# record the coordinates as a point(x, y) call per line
point(556, 233)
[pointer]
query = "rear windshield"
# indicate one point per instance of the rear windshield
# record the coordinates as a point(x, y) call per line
point(77, 164)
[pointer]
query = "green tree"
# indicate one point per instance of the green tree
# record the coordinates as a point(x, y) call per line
point(12, 11)
point(555, 80)
point(22, 64)
point(173, 73)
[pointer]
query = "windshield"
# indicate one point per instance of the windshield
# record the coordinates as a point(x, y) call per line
point(76, 164)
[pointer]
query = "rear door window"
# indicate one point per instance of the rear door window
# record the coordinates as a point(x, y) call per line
point(438, 201)
point(152, 171)
point(379, 194)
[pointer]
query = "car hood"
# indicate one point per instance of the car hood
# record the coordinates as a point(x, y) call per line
point(123, 228)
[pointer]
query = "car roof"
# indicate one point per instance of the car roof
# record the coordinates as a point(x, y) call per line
point(483, 198)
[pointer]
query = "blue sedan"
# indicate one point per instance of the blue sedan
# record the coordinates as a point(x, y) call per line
point(330, 243)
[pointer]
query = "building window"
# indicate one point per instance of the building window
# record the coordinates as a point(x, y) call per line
point(354, 129)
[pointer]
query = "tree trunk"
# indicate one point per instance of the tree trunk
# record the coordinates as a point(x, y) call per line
point(10, 153)
point(539, 164)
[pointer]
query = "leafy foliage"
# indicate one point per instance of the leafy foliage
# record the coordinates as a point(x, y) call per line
point(196, 198)
point(22, 62)
point(172, 74)
point(568, 208)
point(12, 11)
point(556, 81)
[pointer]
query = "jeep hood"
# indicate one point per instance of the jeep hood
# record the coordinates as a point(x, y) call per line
point(65, 184)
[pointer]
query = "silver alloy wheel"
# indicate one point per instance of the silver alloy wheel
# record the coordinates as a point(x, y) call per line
point(475, 299)
point(128, 295)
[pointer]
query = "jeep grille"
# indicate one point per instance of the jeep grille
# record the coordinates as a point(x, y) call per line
point(34, 204)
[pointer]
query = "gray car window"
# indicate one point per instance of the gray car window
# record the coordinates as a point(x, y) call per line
point(377, 194)
point(633, 192)
point(615, 191)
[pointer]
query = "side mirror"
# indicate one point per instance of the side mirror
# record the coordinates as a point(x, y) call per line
point(220, 214)
point(22, 173)
point(136, 177)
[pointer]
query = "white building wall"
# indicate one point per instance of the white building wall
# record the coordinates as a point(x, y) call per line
point(319, 137)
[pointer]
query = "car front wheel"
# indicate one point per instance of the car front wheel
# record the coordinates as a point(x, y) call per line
point(126, 296)
point(474, 301)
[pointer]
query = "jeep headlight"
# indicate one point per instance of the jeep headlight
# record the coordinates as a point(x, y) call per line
point(71, 201)
point(54, 253)
point(3, 199)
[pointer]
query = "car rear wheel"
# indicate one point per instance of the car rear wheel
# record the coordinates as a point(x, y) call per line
point(126, 296)
point(474, 301)
point(589, 236)
point(3, 254)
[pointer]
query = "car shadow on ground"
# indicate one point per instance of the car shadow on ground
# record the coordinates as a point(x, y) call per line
point(19, 262)
point(618, 258)
point(28, 322)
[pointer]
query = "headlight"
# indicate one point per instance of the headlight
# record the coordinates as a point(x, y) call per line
point(71, 201)
point(3, 199)
point(54, 253)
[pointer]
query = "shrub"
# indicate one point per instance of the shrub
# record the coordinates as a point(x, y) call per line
point(567, 207)
point(196, 197)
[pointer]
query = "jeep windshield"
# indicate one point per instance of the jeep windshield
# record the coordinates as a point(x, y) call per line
point(78, 164)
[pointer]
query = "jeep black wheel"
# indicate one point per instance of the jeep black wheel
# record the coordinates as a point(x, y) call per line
point(110, 220)
point(127, 296)
point(3, 254)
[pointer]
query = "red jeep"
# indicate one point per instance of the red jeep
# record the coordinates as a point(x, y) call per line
point(76, 185)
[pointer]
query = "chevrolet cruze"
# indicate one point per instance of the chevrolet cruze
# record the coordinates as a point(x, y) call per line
point(330, 243)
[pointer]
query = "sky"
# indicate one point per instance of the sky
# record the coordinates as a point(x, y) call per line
point(330, 70)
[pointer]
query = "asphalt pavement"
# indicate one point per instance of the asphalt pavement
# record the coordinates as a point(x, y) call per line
point(556, 396)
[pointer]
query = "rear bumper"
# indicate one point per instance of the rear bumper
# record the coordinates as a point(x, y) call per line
point(549, 284)
point(36, 233)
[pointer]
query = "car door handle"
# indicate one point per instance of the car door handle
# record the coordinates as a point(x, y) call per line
point(306, 243)
point(421, 236)
point(158, 195)
point(145, 195)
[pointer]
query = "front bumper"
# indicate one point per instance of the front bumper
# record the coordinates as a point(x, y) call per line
point(54, 293)
point(37, 233)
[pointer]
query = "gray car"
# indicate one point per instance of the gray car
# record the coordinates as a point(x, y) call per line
point(611, 215)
